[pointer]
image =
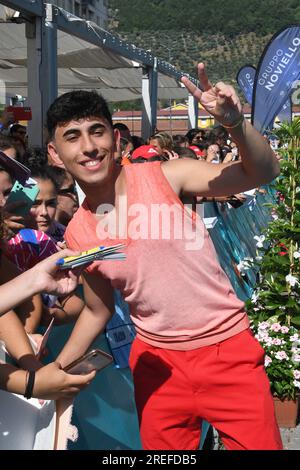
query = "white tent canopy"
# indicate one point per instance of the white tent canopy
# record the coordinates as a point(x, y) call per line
point(47, 51)
point(114, 85)
point(80, 66)
point(71, 51)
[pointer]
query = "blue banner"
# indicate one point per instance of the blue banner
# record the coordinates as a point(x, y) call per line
point(245, 78)
point(277, 71)
point(286, 112)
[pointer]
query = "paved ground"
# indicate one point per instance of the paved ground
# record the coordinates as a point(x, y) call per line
point(291, 438)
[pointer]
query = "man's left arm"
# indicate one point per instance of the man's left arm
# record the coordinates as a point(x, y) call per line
point(258, 164)
point(258, 159)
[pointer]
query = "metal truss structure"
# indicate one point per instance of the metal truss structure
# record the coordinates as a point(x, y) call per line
point(43, 20)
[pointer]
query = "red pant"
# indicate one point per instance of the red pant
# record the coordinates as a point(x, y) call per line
point(224, 383)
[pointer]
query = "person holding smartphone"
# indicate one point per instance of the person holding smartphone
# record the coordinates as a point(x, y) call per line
point(194, 356)
point(48, 382)
point(13, 221)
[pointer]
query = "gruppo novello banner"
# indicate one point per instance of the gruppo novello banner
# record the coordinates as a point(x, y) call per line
point(245, 79)
point(277, 72)
point(286, 111)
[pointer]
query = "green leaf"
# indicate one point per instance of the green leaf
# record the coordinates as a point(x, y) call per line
point(272, 306)
point(291, 303)
point(273, 319)
point(295, 320)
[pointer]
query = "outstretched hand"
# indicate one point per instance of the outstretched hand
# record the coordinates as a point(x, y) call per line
point(45, 276)
point(220, 100)
point(51, 279)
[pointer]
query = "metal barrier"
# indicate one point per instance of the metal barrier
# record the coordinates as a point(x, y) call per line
point(233, 236)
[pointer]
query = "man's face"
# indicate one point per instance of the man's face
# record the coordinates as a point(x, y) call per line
point(86, 148)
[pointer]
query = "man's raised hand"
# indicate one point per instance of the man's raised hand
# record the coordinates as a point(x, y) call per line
point(220, 100)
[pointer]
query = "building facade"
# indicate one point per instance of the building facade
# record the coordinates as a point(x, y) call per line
point(174, 120)
point(92, 10)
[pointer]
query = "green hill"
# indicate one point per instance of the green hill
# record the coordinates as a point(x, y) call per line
point(223, 56)
point(225, 34)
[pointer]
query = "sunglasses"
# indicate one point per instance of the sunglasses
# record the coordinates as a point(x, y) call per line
point(67, 191)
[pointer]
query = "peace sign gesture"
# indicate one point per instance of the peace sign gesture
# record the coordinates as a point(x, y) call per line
point(220, 100)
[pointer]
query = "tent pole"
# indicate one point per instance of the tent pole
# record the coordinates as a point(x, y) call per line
point(192, 112)
point(149, 96)
point(41, 37)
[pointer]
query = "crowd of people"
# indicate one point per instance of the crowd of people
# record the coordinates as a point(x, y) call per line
point(188, 320)
point(212, 145)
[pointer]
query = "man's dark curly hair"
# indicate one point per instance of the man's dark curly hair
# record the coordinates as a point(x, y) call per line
point(78, 104)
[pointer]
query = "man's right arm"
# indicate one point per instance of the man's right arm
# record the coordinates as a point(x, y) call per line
point(99, 300)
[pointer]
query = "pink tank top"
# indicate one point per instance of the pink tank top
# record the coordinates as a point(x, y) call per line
point(179, 296)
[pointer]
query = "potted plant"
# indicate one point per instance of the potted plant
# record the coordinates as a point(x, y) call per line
point(274, 308)
point(282, 362)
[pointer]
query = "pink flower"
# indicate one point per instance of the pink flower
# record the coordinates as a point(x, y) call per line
point(264, 325)
point(296, 374)
point(276, 327)
point(268, 361)
point(281, 355)
point(296, 383)
point(284, 329)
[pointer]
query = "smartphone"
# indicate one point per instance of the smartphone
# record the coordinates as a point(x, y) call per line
point(26, 193)
point(45, 339)
point(19, 171)
point(93, 360)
